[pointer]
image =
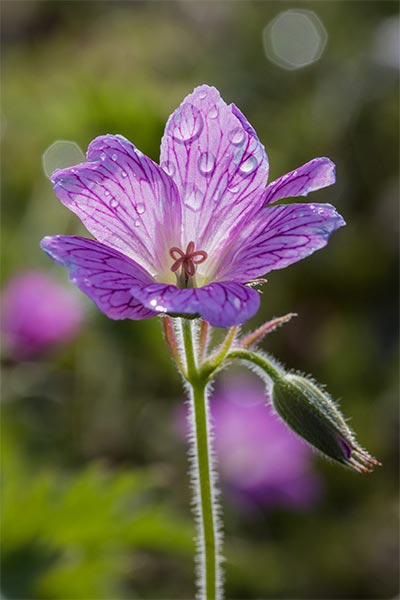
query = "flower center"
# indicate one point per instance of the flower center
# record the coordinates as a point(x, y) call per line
point(186, 262)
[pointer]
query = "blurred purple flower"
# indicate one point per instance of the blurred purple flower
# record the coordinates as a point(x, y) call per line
point(186, 236)
point(37, 314)
point(260, 460)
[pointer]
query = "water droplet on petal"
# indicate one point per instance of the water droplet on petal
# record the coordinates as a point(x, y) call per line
point(234, 189)
point(158, 307)
point(237, 136)
point(217, 195)
point(137, 223)
point(106, 193)
point(206, 163)
point(87, 282)
point(193, 198)
point(124, 174)
point(248, 165)
point(114, 157)
point(202, 95)
point(102, 156)
point(168, 167)
point(140, 208)
point(187, 124)
point(213, 113)
point(114, 203)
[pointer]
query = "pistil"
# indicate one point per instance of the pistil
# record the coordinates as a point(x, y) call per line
point(187, 263)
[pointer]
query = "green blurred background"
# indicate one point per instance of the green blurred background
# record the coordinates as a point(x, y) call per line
point(96, 498)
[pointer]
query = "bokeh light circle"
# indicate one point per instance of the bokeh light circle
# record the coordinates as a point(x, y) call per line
point(60, 155)
point(295, 39)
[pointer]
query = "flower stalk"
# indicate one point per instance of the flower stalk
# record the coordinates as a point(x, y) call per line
point(202, 472)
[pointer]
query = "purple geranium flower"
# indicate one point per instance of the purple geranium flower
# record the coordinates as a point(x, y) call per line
point(37, 314)
point(187, 236)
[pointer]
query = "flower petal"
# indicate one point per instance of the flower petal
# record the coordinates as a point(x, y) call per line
point(103, 274)
point(278, 237)
point(218, 164)
point(314, 175)
point(124, 199)
point(221, 304)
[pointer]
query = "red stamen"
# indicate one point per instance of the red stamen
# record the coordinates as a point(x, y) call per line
point(176, 251)
point(187, 260)
point(190, 248)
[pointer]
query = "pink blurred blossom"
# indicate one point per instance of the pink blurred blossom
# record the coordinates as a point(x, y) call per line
point(37, 314)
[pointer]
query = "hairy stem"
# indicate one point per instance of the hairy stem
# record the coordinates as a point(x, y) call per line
point(203, 475)
point(259, 360)
point(171, 341)
point(256, 336)
point(204, 338)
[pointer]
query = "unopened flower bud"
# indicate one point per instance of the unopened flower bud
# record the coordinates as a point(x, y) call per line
point(312, 414)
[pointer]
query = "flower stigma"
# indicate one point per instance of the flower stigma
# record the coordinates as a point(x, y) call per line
point(186, 262)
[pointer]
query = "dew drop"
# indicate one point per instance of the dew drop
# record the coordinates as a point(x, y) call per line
point(248, 165)
point(87, 282)
point(202, 95)
point(124, 174)
point(158, 307)
point(213, 113)
point(237, 136)
point(114, 157)
point(193, 198)
point(187, 124)
point(114, 203)
point(140, 208)
point(206, 163)
point(234, 189)
point(73, 170)
point(217, 195)
point(137, 223)
point(168, 167)
point(102, 156)
point(106, 193)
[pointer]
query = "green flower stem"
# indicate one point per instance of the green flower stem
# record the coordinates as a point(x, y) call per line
point(203, 476)
point(259, 360)
point(215, 361)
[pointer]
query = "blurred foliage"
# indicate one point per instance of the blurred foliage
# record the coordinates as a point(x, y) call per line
point(86, 514)
point(81, 534)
